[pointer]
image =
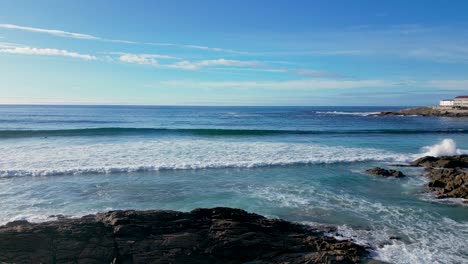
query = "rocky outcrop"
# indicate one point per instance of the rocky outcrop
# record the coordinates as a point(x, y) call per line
point(448, 175)
point(218, 235)
point(449, 183)
point(457, 161)
point(427, 111)
point(385, 173)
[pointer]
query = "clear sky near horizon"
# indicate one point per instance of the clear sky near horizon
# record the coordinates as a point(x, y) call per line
point(233, 52)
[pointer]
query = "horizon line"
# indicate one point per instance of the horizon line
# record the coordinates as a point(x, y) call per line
point(200, 105)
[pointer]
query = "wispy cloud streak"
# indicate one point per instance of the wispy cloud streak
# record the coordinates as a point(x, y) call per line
point(46, 52)
point(283, 85)
point(66, 34)
point(54, 32)
point(188, 65)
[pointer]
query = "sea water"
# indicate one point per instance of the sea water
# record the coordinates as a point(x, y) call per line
point(303, 164)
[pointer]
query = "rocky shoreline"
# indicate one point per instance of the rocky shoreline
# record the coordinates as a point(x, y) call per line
point(448, 175)
point(217, 235)
point(427, 111)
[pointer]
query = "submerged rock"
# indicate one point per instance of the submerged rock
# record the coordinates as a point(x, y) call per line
point(448, 175)
point(218, 235)
point(385, 173)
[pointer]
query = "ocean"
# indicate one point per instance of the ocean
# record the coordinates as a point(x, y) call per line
point(303, 164)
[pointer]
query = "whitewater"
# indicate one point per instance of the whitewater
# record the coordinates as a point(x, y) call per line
point(304, 164)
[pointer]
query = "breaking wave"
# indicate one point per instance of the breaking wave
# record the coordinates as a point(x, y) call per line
point(53, 158)
point(444, 148)
point(347, 113)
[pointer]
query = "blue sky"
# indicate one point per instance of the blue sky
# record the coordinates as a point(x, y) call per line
point(233, 52)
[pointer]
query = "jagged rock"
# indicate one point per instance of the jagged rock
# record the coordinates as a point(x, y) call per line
point(457, 161)
point(447, 183)
point(218, 235)
point(448, 177)
point(385, 173)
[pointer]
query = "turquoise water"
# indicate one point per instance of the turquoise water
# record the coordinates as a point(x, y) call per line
point(303, 164)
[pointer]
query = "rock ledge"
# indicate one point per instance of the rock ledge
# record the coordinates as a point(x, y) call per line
point(448, 174)
point(427, 111)
point(217, 235)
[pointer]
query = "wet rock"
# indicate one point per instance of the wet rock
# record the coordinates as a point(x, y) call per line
point(448, 183)
point(385, 173)
point(387, 114)
point(218, 235)
point(457, 161)
point(448, 175)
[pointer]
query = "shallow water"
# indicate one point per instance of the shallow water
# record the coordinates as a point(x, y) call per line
point(303, 164)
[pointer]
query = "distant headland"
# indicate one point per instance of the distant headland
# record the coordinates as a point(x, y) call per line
point(457, 107)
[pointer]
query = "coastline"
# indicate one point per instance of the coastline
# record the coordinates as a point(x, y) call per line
point(216, 235)
point(427, 111)
point(304, 165)
point(206, 235)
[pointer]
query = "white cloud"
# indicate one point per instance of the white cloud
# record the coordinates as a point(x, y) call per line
point(8, 45)
point(316, 73)
point(185, 65)
point(154, 60)
point(448, 84)
point(188, 65)
point(284, 85)
point(138, 59)
point(447, 54)
point(46, 52)
point(147, 59)
point(198, 47)
point(318, 52)
point(74, 35)
point(55, 32)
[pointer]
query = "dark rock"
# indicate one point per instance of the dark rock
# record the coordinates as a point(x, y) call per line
point(448, 177)
point(447, 183)
point(457, 161)
point(385, 173)
point(427, 111)
point(400, 165)
point(387, 114)
point(218, 235)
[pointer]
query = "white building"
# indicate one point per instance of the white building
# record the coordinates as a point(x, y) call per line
point(461, 101)
point(446, 102)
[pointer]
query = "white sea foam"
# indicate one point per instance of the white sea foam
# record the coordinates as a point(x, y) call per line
point(62, 157)
point(423, 236)
point(443, 148)
point(347, 113)
point(67, 158)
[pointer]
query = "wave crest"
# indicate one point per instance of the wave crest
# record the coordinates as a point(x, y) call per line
point(53, 158)
point(445, 147)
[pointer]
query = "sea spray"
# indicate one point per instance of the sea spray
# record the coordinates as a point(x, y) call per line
point(444, 148)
